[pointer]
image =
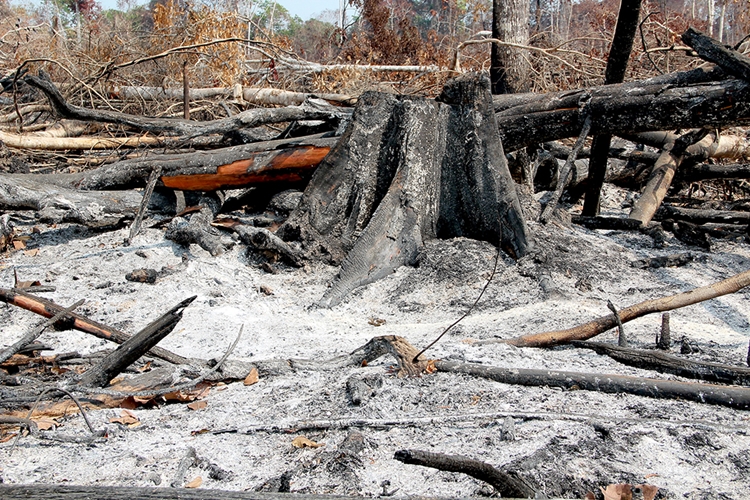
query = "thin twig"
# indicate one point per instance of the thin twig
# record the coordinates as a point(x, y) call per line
point(468, 311)
point(34, 334)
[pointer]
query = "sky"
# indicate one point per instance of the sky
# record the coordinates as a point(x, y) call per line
point(306, 9)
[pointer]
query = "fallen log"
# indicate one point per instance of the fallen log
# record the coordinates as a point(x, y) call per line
point(701, 216)
point(134, 347)
point(77, 143)
point(507, 484)
point(707, 171)
point(311, 110)
point(70, 492)
point(48, 309)
point(712, 51)
point(662, 174)
point(252, 95)
point(604, 323)
point(667, 363)
point(733, 397)
point(662, 103)
point(56, 204)
point(284, 160)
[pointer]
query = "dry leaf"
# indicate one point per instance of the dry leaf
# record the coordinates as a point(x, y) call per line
point(589, 496)
point(252, 377)
point(376, 321)
point(27, 284)
point(128, 418)
point(18, 244)
point(31, 253)
point(625, 491)
point(199, 431)
point(303, 442)
point(197, 405)
point(649, 491)
point(430, 368)
point(45, 423)
point(194, 483)
point(8, 437)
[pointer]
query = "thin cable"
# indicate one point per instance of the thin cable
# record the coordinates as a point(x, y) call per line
point(492, 275)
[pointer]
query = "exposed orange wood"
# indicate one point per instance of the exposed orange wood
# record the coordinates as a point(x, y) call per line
point(288, 165)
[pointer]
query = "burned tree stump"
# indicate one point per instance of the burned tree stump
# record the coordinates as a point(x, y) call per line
point(406, 170)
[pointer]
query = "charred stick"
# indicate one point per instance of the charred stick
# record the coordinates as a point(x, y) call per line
point(667, 363)
point(34, 334)
point(48, 309)
point(132, 349)
point(604, 323)
point(731, 396)
point(664, 341)
point(147, 193)
point(622, 340)
point(509, 486)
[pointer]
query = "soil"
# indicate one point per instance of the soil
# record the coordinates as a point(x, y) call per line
point(570, 442)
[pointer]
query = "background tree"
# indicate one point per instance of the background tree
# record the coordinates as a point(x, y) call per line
point(510, 66)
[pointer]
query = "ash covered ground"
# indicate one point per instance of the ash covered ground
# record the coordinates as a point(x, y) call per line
point(569, 441)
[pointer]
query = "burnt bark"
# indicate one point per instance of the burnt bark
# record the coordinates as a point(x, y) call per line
point(407, 170)
point(617, 63)
point(685, 100)
point(666, 363)
point(134, 347)
point(731, 396)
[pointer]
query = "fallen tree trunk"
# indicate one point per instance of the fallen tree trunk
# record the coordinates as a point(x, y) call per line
point(707, 171)
point(698, 216)
point(69, 492)
point(76, 143)
point(252, 95)
point(310, 110)
point(56, 204)
point(604, 323)
point(666, 363)
point(661, 179)
point(286, 160)
point(733, 397)
point(688, 100)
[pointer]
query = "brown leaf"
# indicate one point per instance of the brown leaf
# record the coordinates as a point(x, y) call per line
point(31, 253)
point(199, 432)
point(589, 496)
point(18, 244)
point(617, 492)
point(649, 491)
point(252, 377)
point(430, 368)
point(27, 284)
point(45, 423)
point(303, 442)
point(126, 417)
point(197, 405)
point(8, 437)
point(194, 483)
point(376, 321)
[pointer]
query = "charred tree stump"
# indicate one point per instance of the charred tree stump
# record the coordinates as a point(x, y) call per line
point(407, 170)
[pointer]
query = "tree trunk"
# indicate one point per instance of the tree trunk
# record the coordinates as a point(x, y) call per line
point(406, 170)
point(510, 68)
